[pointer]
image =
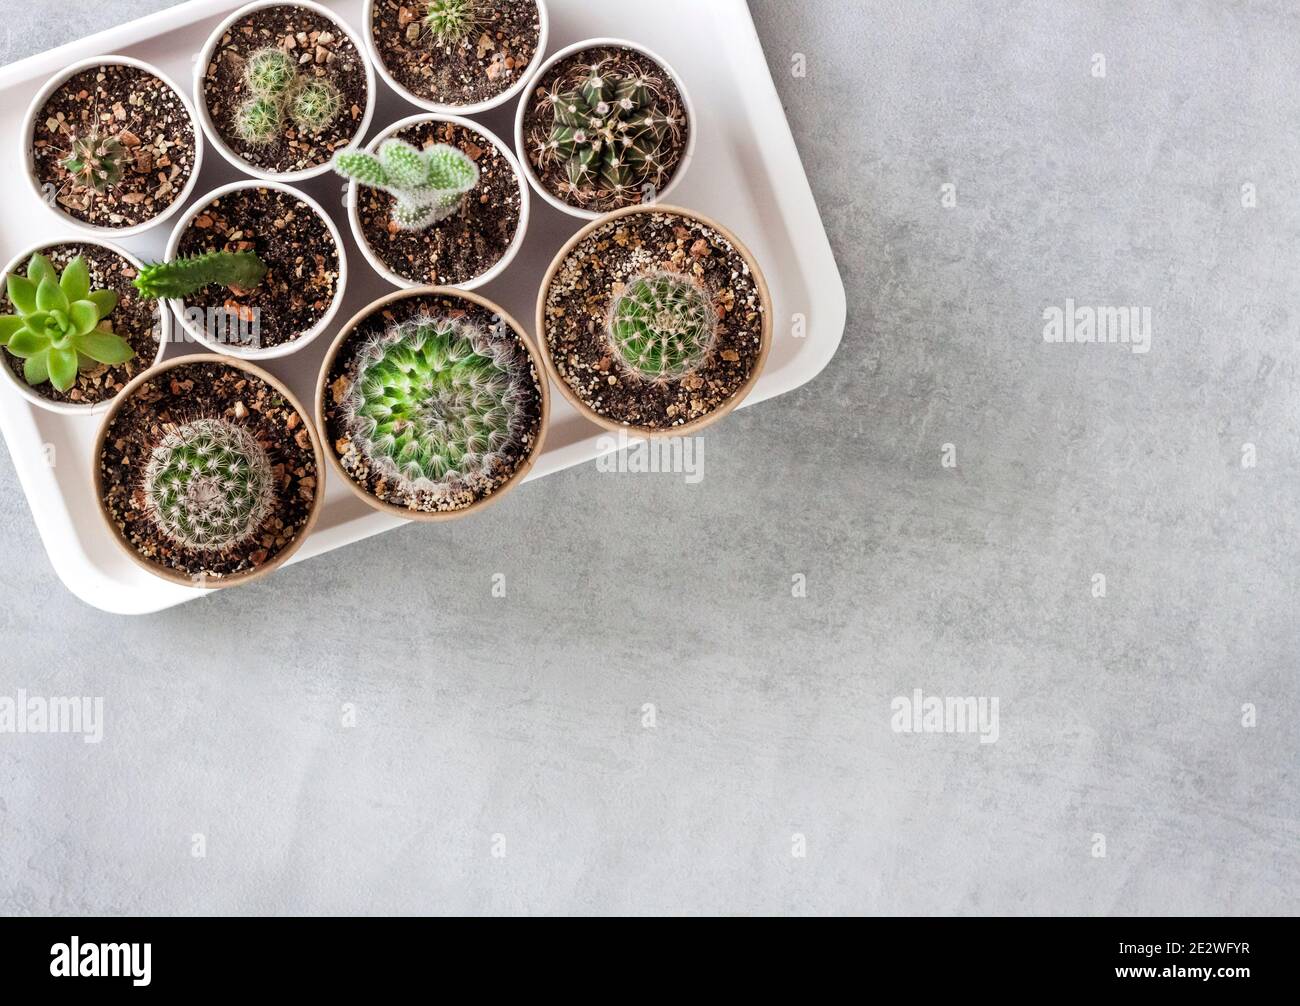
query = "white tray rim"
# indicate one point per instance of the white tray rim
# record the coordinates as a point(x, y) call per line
point(811, 249)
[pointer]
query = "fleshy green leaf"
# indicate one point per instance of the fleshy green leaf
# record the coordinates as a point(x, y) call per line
point(36, 370)
point(49, 297)
point(75, 281)
point(104, 300)
point(38, 267)
point(9, 324)
point(84, 316)
point(26, 343)
point(62, 364)
point(104, 347)
point(22, 294)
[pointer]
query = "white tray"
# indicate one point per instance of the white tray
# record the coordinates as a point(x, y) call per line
point(746, 173)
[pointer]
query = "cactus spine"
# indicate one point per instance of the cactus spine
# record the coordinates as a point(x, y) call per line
point(427, 185)
point(279, 91)
point(181, 277)
point(97, 161)
point(435, 401)
point(449, 21)
point(315, 105)
point(209, 485)
point(663, 326)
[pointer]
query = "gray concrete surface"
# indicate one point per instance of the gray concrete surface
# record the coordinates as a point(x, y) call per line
point(486, 726)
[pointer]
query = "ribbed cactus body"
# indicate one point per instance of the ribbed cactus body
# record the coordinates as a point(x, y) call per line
point(450, 21)
point(97, 161)
point(209, 485)
point(427, 185)
point(663, 326)
point(181, 277)
point(315, 105)
point(259, 121)
point(435, 401)
point(271, 73)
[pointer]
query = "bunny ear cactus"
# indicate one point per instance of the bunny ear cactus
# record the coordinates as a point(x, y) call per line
point(610, 132)
point(59, 328)
point(209, 485)
point(663, 326)
point(427, 185)
point(97, 161)
point(435, 401)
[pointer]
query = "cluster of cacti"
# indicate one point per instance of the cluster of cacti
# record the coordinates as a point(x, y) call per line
point(611, 130)
point(209, 485)
point(450, 21)
point(278, 90)
point(182, 276)
point(60, 328)
point(427, 185)
point(435, 401)
point(96, 160)
point(663, 326)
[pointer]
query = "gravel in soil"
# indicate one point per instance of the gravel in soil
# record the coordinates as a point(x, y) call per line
point(302, 267)
point(466, 245)
point(342, 374)
point(137, 320)
point(567, 75)
point(321, 51)
point(144, 115)
point(580, 299)
point(208, 391)
point(487, 62)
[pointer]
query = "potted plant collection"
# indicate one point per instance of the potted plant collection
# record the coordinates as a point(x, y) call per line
point(431, 402)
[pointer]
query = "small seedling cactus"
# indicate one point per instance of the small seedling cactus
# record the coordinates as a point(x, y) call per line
point(663, 326)
point(315, 105)
point(450, 21)
point(60, 327)
point(612, 132)
point(279, 92)
point(209, 485)
point(427, 185)
point(183, 276)
point(435, 401)
point(96, 161)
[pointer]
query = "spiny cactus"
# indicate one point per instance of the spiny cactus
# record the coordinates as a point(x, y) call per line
point(450, 21)
point(209, 485)
point(97, 160)
point(259, 121)
point(60, 326)
point(271, 73)
point(435, 401)
point(663, 326)
point(428, 185)
point(314, 105)
point(182, 276)
point(612, 130)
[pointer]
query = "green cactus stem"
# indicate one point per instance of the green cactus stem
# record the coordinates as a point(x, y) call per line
point(271, 73)
point(663, 326)
point(97, 161)
point(183, 276)
point(315, 105)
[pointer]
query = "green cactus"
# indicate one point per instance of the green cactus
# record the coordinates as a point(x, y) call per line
point(612, 129)
point(182, 276)
point(259, 121)
point(663, 326)
point(315, 105)
point(271, 74)
point(427, 185)
point(450, 21)
point(60, 327)
point(97, 160)
point(209, 485)
point(435, 401)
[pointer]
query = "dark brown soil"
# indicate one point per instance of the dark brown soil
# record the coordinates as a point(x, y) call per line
point(208, 391)
point(302, 265)
point(486, 63)
point(322, 51)
point(137, 320)
point(463, 246)
point(567, 75)
point(147, 117)
point(343, 372)
point(581, 296)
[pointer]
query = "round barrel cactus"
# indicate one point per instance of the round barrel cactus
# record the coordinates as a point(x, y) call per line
point(663, 326)
point(435, 401)
point(209, 485)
